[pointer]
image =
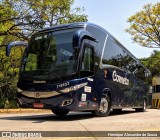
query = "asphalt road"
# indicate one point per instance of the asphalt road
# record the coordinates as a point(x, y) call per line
point(127, 120)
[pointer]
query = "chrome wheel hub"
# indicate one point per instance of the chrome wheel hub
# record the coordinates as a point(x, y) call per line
point(103, 106)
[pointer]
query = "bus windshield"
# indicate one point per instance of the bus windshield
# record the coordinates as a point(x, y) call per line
point(49, 56)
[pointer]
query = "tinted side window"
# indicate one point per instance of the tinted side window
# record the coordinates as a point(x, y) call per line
point(141, 72)
point(87, 62)
point(113, 54)
point(129, 64)
point(100, 37)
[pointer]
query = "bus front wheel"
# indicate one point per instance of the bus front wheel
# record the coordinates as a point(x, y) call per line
point(105, 107)
point(60, 113)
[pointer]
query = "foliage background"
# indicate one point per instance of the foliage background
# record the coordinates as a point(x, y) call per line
point(145, 26)
point(19, 20)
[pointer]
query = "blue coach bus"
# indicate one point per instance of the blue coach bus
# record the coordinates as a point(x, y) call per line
point(79, 67)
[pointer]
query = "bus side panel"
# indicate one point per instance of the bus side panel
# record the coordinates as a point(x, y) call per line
point(126, 90)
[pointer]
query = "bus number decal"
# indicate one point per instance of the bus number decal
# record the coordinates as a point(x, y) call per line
point(63, 85)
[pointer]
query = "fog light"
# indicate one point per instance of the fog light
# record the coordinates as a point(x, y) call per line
point(67, 102)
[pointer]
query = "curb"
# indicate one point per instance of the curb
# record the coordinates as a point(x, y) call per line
point(20, 110)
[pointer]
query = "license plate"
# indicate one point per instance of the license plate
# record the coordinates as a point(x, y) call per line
point(38, 105)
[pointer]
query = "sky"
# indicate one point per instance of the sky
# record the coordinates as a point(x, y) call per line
point(112, 15)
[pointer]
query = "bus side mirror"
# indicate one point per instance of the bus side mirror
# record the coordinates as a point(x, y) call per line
point(79, 36)
point(13, 44)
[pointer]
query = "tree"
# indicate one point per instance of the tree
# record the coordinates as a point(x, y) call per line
point(21, 18)
point(145, 26)
point(153, 63)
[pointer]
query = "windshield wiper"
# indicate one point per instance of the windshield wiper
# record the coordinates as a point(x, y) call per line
point(47, 75)
point(51, 72)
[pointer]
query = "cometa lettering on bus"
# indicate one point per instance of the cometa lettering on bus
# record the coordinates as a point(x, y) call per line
point(119, 78)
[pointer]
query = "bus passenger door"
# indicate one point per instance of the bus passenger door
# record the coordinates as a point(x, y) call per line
point(87, 69)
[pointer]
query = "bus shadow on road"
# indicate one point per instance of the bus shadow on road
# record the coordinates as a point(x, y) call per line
point(123, 112)
point(73, 116)
point(49, 117)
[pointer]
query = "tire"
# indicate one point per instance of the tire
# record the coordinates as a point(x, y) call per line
point(143, 109)
point(105, 107)
point(60, 113)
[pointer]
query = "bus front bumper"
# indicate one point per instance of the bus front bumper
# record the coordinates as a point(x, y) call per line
point(61, 102)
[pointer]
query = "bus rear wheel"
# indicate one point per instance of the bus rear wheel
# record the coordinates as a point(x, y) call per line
point(143, 109)
point(105, 107)
point(60, 113)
